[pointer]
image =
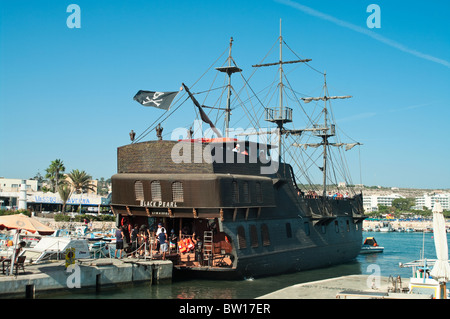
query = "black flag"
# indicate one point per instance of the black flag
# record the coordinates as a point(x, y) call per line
point(203, 115)
point(161, 100)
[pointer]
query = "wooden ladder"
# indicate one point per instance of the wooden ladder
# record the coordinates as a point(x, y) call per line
point(208, 246)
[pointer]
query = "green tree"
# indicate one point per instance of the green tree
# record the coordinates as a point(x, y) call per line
point(80, 181)
point(55, 173)
point(64, 191)
point(403, 204)
point(103, 186)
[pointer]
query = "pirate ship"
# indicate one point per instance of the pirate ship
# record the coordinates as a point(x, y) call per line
point(239, 195)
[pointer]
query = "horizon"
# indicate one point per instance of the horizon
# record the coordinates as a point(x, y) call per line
point(67, 93)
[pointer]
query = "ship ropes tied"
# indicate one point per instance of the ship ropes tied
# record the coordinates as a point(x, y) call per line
point(302, 128)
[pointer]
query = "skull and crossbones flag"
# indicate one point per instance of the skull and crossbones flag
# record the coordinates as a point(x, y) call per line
point(161, 100)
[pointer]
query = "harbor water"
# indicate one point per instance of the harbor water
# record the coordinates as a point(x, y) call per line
point(398, 247)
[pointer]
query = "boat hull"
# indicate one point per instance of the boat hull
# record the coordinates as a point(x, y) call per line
point(276, 263)
point(371, 250)
point(309, 247)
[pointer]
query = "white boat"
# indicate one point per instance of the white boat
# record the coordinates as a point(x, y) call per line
point(432, 281)
point(386, 227)
point(371, 246)
point(54, 248)
point(422, 283)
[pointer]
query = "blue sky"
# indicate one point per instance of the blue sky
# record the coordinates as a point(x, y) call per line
point(68, 93)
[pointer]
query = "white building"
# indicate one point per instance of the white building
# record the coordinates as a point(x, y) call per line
point(371, 202)
point(13, 184)
point(13, 197)
point(427, 201)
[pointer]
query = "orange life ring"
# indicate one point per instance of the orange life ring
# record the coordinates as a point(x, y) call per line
point(189, 244)
point(182, 246)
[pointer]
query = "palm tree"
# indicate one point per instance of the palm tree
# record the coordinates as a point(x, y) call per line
point(54, 173)
point(64, 191)
point(80, 181)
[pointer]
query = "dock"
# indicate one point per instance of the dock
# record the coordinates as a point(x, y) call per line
point(345, 287)
point(84, 274)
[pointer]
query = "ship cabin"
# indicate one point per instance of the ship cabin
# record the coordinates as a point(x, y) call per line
point(191, 186)
point(197, 188)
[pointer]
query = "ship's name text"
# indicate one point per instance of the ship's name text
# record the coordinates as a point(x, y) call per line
point(158, 204)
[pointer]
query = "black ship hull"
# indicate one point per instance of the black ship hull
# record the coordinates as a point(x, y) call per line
point(329, 246)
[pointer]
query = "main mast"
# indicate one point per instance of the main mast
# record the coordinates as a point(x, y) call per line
point(280, 85)
point(282, 114)
point(229, 70)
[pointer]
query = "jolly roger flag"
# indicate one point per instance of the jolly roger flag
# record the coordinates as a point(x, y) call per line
point(161, 100)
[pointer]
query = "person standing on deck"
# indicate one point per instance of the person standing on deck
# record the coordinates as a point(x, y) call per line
point(119, 242)
point(162, 237)
point(161, 229)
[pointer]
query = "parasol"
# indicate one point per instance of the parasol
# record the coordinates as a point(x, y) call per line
point(441, 269)
point(21, 221)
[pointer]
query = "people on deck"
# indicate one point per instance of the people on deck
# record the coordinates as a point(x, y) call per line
point(162, 239)
point(134, 240)
point(144, 240)
point(119, 242)
point(173, 239)
point(160, 229)
point(198, 248)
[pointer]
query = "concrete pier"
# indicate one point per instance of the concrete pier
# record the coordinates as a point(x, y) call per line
point(88, 273)
point(353, 286)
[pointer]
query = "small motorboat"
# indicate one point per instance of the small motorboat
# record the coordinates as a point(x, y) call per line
point(371, 246)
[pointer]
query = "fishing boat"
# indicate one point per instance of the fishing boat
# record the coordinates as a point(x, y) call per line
point(247, 197)
point(54, 248)
point(386, 227)
point(371, 246)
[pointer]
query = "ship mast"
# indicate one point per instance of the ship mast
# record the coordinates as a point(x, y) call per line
point(325, 131)
point(282, 114)
point(325, 137)
point(280, 85)
point(229, 70)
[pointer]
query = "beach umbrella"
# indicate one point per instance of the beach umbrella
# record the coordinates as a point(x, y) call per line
point(441, 269)
point(21, 221)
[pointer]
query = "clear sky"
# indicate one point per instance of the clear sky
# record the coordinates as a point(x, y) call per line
point(68, 93)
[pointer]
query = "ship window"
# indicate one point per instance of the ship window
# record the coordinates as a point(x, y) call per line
point(177, 192)
point(288, 230)
point(139, 190)
point(259, 198)
point(348, 225)
point(324, 229)
point(336, 226)
point(265, 235)
point(306, 225)
point(246, 193)
point(253, 236)
point(156, 191)
point(241, 237)
point(235, 192)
